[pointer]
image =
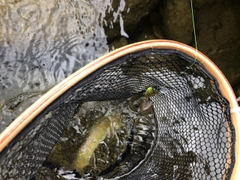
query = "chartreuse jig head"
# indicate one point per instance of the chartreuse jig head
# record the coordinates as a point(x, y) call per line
point(151, 91)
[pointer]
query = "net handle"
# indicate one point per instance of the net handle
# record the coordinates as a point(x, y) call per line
point(30, 113)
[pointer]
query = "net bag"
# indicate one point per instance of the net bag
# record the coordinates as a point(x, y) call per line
point(196, 123)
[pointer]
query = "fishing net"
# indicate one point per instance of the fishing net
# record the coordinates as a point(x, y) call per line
point(192, 135)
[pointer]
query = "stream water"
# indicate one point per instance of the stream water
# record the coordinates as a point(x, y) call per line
point(43, 42)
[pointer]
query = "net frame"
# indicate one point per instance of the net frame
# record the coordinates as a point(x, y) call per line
point(35, 109)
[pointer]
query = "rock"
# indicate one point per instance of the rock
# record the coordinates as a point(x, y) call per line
point(158, 32)
point(237, 92)
point(123, 16)
point(177, 20)
point(120, 42)
point(146, 34)
point(200, 3)
point(218, 37)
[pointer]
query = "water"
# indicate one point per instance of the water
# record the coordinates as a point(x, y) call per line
point(43, 42)
point(128, 140)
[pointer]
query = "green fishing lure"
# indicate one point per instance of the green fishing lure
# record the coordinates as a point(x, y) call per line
point(151, 91)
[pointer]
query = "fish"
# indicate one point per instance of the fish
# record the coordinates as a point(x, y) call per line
point(141, 102)
point(97, 133)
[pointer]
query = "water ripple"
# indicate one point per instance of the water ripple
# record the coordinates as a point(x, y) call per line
point(43, 42)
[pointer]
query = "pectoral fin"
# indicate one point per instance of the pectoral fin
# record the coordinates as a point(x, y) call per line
point(92, 161)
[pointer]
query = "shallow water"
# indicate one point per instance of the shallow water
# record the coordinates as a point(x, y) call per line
point(43, 42)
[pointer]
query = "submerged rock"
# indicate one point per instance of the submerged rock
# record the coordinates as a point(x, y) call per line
point(124, 15)
point(218, 37)
point(177, 20)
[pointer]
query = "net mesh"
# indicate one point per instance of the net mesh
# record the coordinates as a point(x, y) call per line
point(194, 136)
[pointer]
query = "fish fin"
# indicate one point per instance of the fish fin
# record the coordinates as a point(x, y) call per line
point(92, 161)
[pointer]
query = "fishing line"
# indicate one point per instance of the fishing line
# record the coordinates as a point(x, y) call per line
point(195, 40)
point(194, 35)
point(194, 26)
